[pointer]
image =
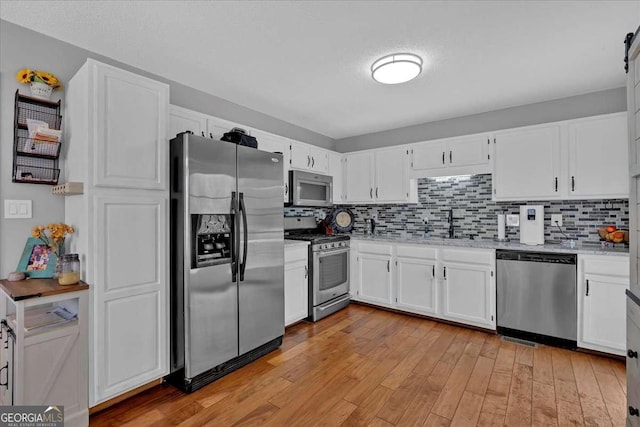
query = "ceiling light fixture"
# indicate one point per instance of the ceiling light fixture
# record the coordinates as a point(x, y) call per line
point(396, 68)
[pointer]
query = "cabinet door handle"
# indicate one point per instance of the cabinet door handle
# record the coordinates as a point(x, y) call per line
point(389, 266)
point(573, 183)
point(371, 193)
point(313, 161)
point(556, 184)
point(632, 354)
point(308, 161)
point(634, 412)
point(433, 271)
point(376, 192)
point(306, 271)
point(443, 157)
point(444, 270)
point(450, 156)
point(587, 294)
point(286, 188)
point(5, 383)
point(203, 134)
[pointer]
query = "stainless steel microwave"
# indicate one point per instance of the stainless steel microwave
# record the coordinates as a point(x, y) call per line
point(310, 189)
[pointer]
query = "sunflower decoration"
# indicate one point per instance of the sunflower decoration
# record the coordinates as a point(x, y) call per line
point(27, 76)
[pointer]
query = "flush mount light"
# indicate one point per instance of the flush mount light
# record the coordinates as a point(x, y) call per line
point(396, 68)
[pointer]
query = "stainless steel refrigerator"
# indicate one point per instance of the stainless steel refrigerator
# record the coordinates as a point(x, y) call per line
point(227, 258)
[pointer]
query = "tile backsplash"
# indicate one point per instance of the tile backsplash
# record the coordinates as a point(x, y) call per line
point(475, 214)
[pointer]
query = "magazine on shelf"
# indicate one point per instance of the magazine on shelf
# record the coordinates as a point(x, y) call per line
point(44, 318)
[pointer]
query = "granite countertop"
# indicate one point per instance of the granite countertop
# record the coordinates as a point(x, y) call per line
point(585, 249)
point(288, 242)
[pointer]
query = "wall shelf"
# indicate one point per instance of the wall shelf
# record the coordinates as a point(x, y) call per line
point(35, 161)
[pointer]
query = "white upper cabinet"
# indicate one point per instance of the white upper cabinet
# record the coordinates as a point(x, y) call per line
point(182, 120)
point(598, 160)
point(335, 170)
point(527, 164)
point(129, 118)
point(309, 158)
point(377, 176)
point(575, 159)
point(391, 177)
point(452, 156)
point(359, 177)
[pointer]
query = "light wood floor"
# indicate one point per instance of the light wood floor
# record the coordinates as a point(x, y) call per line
point(364, 366)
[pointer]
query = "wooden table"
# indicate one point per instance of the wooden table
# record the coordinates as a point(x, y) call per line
point(32, 288)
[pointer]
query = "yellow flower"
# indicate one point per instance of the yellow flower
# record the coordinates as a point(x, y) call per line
point(47, 78)
point(24, 76)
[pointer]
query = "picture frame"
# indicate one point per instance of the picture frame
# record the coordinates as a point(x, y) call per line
point(38, 260)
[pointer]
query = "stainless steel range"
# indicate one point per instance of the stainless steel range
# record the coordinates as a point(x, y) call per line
point(328, 266)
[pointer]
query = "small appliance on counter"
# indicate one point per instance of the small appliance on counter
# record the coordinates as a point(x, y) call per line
point(532, 224)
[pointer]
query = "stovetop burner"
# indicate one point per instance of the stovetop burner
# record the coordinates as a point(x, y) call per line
point(316, 238)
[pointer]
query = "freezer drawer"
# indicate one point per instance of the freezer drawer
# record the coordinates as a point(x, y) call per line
point(633, 361)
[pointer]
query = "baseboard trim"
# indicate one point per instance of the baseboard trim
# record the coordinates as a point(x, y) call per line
point(104, 405)
point(424, 316)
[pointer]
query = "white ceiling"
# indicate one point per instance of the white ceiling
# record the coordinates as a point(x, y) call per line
point(307, 62)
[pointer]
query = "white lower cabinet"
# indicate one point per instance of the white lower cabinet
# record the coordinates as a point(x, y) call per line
point(469, 287)
point(452, 284)
point(296, 285)
point(416, 285)
point(602, 282)
point(374, 273)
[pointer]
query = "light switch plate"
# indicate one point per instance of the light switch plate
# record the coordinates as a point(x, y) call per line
point(556, 218)
point(17, 209)
point(513, 220)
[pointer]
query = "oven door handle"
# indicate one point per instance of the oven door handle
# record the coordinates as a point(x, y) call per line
point(328, 252)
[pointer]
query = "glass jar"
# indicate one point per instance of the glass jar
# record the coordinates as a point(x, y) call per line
point(70, 269)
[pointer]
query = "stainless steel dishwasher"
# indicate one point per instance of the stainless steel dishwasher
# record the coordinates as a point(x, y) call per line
point(537, 296)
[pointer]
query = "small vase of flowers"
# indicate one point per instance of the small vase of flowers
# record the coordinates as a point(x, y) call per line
point(40, 82)
point(55, 239)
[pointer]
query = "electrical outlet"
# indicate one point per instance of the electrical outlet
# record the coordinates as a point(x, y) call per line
point(556, 219)
point(513, 220)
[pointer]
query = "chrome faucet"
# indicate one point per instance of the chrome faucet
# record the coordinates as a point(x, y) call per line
point(451, 228)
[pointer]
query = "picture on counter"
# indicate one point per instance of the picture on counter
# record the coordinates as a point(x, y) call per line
point(38, 259)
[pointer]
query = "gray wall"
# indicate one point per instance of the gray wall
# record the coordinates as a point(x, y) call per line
point(591, 104)
point(19, 48)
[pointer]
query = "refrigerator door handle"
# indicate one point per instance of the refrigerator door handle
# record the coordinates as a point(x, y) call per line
point(243, 264)
point(236, 238)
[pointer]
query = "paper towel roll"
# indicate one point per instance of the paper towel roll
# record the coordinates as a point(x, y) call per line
point(501, 232)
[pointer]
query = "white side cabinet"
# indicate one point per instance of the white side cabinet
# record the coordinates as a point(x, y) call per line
point(602, 302)
point(469, 286)
point(296, 282)
point(121, 222)
point(416, 283)
point(44, 365)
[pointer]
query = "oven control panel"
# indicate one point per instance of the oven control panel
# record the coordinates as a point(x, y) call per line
point(331, 245)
